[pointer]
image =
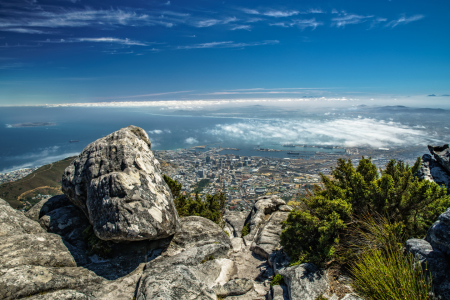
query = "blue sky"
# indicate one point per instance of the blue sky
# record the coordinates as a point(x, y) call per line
point(78, 51)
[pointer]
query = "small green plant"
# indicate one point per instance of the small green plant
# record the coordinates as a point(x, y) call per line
point(277, 280)
point(321, 298)
point(245, 230)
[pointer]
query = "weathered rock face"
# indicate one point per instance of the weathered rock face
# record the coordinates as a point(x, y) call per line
point(235, 221)
point(264, 206)
point(268, 239)
point(197, 240)
point(175, 282)
point(431, 170)
point(434, 254)
point(13, 222)
point(234, 287)
point(442, 155)
point(116, 181)
point(305, 281)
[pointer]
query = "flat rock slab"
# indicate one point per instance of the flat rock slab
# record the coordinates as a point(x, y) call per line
point(173, 283)
point(15, 222)
point(23, 281)
point(268, 239)
point(236, 221)
point(234, 287)
point(117, 183)
point(42, 249)
point(305, 281)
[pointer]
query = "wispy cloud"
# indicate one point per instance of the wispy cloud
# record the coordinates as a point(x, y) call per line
point(143, 95)
point(271, 12)
point(303, 24)
point(404, 20)
point(350, 19)
point(11, 66)
point(227, 44)
point(25, 30)
point(110, 40)
point(241, 27)
point(212, 22)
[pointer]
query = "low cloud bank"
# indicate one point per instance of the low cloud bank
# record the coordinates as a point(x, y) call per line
point(340, 132)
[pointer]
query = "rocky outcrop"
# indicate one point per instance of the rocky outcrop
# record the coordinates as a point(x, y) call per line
point(116, 182)
point(305, 281)
point(436, 169)
point(431, 170)
point(234, 287)
point(260, 212)
point(172, 283)
point(235, 220)
point(267, 239)
point(442, 155)
point(433, 253)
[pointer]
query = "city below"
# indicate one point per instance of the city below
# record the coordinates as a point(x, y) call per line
point(242, 179)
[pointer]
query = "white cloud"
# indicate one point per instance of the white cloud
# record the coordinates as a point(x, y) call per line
point(25, 30)
point(349, 20)
point(242, 27)
point(280, 13)
point(156, 131)
point(344, 132)
point(404, 20)
point(110, 40)
point(301, 23)
point(212, 22)
point(190, 141)
point(227, 44)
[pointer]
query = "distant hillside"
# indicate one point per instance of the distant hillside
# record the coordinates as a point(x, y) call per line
point(45, 181)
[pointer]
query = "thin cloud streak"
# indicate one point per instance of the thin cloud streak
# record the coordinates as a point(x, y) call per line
point(144, 95)
point(404, 20)
point(227, 44)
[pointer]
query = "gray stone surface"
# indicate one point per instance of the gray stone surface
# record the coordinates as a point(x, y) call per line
point(234, 287)
point(278, 260)
point(439, 233)
point(116, 181)
point(267, 238)
point(26, 280)
point(236, 220)
point(442, 155)
point(305, 281)
point(197, 231)
point(172, 283)
point(15, 222)
point(278, 293)
point(60, 295)
point(431, 170)
point(435, 262)
point(260, 212)
point(41, 249)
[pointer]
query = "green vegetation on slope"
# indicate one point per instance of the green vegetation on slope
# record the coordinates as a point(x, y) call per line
point(199, 186)
point(45, 181)
point(212, 208)
point(410, 206)
point(381, 271)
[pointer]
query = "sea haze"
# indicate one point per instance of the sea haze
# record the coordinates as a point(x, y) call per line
point(266, 126)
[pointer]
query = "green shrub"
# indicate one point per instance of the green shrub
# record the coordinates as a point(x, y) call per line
point(411, 206)
point(212, 208)
point(277, 280)
point(245, 230)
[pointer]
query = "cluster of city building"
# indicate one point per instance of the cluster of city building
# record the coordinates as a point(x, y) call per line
point(15, 175)
point(241, 178)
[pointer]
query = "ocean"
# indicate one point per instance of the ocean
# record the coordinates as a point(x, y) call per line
point(23, 147)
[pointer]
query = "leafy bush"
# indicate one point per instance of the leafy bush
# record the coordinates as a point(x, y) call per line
point(212, 208)
point(410, 206)
point(277, 280)
point(245, 230)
